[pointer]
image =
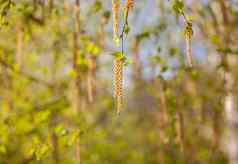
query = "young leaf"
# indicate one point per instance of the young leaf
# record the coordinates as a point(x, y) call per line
point(178, 6)
point(118, 55)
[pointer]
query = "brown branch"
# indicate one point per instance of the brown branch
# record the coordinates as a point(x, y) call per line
point(224, 12)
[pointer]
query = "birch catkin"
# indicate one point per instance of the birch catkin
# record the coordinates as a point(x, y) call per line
point(128, 5)
point(115, 12)
point(188, 37)
point(118, 66)
point(118, 62)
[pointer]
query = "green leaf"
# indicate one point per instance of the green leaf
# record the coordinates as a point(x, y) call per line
point(31, 151)
point(92, 49)
point(60, 130)
point(178, 6)
point(71, 73)
point(73, 137)
point(143, 35)
point(126, 29)
point(173, 51)
point(82, 61)
point(116, 40)
point(214, 39)
point(189, 18)
point(155, 58)
point(128, 62)
point(42, 151)
point(106, 14)
point(42, 116)
point(97, 6)
point(118, 55)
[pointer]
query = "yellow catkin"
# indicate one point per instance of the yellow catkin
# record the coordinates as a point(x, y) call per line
point(118, 66)
point(115, 12)
point(128, 5)
point(188, 37)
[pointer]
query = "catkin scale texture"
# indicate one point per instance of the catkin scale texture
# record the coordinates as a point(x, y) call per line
point(115, 12)
point(118, 77)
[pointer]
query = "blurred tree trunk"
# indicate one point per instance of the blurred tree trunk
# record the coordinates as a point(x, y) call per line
point(162, 119)
point(136, 57)
point(231, 115)
point(91, 78)
point(137, 72)
point(54, 115)
point(93, 63)
point(51, 4)
point(162, 114)
point(230, 108)
point(77, 80)
point(180, 125)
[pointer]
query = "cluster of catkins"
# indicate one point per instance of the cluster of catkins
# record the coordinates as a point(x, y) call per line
point(118, 63)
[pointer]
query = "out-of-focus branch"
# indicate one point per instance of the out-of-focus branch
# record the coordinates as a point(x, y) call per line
point(224, 12)
point(214, 19)
point(24, 74)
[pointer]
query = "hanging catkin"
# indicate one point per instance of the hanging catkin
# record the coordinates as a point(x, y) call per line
point(128, 5)
point(118, 62)
point(118, 66)
point(115, 12)
point(188, 37)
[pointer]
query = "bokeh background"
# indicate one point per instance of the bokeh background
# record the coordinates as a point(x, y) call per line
point(57, 103)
